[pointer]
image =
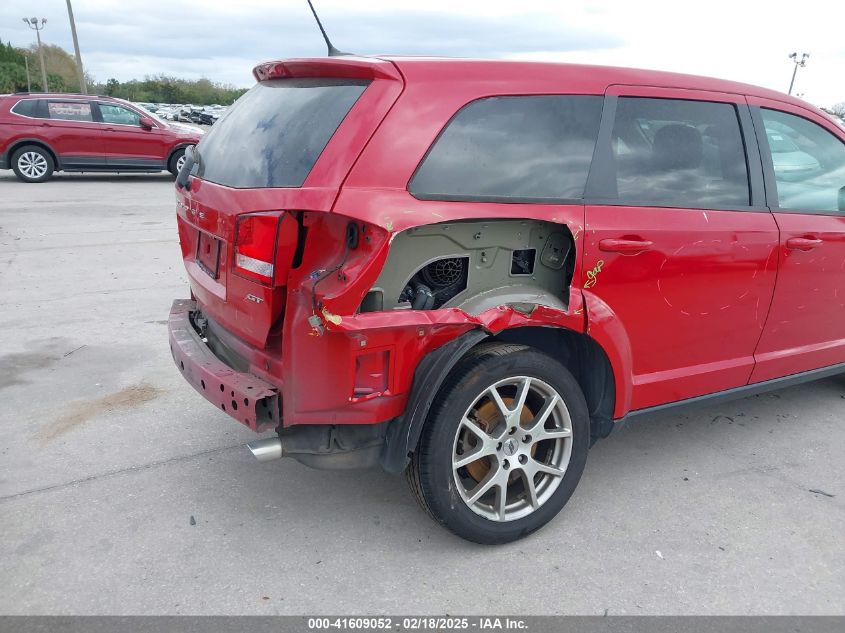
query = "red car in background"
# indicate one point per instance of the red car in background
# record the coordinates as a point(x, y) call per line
point(43, 133)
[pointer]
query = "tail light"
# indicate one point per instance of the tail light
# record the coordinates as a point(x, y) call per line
point(255, 246)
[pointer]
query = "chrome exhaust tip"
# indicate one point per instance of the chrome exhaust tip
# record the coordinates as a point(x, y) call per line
point(267, 449)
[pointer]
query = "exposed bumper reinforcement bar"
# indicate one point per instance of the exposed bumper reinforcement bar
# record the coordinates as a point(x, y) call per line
point(247, 398)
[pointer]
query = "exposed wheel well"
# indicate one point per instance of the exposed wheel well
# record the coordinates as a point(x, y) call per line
point(587, 361)
point(580, 354)
point(18, 144)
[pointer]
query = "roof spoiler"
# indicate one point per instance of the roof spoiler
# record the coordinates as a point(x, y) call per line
point(336, 67)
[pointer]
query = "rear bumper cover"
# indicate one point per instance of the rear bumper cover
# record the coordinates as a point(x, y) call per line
point(250, 400)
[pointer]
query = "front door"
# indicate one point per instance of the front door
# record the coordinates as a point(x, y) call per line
point(804, 158)
point(128, 145)
point(679, 245)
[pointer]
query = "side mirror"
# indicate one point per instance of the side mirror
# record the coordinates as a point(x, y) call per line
point(842, 199)
point(146, 123)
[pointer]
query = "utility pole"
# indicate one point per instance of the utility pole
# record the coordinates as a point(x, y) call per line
point(82, 87)
point(34, 24)
point(802, 62)
point(28, 82)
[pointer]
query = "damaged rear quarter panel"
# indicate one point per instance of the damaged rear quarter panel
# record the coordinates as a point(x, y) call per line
point(319, 371)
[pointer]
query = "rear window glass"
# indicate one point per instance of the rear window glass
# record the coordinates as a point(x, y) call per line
point(274, 134)
point(526, 148)
point(70, 110)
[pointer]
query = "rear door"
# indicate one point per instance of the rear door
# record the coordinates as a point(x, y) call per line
point(127, 144)
point(804, 161)
point(70, 127)
point(679, 245)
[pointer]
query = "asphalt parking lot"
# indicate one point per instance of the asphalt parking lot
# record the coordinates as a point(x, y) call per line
point(122, 491)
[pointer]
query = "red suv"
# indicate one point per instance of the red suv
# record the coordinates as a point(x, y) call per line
point(472, 270)
point(43, 133)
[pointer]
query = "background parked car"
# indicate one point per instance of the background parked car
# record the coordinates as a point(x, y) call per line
point(43, 133)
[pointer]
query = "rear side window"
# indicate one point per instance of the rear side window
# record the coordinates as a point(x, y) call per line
point(678, 153)
point(70, 110)
point(531, 148)
point(808, 161)
point(275, 133)
point(26, 107)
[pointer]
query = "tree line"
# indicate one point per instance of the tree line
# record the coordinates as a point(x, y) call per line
point(62, 77)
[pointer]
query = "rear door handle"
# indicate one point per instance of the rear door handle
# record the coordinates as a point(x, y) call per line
point(803, 243)
point(625, 246)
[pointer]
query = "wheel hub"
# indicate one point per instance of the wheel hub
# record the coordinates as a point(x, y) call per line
point(488, 418)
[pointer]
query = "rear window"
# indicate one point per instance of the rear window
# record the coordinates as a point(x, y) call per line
point(515, 149)
point(275, 133)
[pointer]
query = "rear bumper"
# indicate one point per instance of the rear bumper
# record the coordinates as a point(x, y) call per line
point(247, 398)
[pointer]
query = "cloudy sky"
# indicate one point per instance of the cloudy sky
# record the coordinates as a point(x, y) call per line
point(224, 39)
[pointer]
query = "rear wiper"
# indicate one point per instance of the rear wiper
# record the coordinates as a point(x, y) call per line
point(192, 157)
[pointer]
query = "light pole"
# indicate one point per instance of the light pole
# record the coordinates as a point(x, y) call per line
point(34, 24)
point(798, 62)
point(28, 82)
point(82, 87)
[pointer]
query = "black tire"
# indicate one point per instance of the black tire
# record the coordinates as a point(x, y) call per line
point(24, 161)
point(430, 473)
point(174, 159)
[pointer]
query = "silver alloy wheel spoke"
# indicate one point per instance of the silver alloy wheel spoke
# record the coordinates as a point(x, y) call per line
point(467, 458)
point(500, 404)
point(180, 163)
point(522, 464)
point(484, 486)
point(539, 422)
point(485, 446)
point(530, 488)
point(553, 434)
point(540, 467)
point(475, 429)
point(501, 501)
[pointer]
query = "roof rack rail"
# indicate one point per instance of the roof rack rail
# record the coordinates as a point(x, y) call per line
point(62, 94)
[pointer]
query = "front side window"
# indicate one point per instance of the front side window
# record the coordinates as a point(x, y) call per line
point(524, 148)
point(70, 110)
point(118, 114)
point(808, 162)
point(679, 153)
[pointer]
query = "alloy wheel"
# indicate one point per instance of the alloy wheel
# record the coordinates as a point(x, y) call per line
point(512, 448)
point(32, 165)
